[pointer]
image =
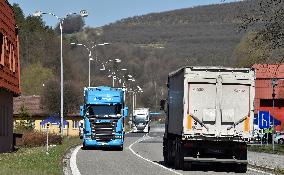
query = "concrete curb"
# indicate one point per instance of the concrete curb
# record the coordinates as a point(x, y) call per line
point(66, 170)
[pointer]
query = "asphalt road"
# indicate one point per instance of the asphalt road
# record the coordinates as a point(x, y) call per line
point(142, 155)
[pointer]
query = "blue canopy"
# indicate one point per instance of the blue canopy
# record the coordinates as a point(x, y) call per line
point(276, 121)
point(155, 113)
point(54, 120)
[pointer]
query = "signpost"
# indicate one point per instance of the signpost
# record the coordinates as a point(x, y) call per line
point(264, 122)
point(263, 119)
point(47, 127)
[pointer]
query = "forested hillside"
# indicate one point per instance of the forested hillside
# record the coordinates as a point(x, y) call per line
point(155, 44)
point(150, 46)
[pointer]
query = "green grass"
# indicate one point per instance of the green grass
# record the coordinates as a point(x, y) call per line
point(279, 149)
point(278, 170)
point(29, 161)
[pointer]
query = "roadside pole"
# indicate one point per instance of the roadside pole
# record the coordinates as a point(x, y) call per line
point(267, 138)
point(47, 127)
point(273, 98)
point(261, 137)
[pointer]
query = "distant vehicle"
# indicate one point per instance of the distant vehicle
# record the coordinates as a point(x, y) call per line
point(103, 111)
point(141, 119)
point(279, 138)
point(209, 116)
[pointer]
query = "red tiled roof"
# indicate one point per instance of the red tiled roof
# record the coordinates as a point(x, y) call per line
point(32, 103)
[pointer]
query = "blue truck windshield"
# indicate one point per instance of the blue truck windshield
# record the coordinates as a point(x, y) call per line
point(104, 110)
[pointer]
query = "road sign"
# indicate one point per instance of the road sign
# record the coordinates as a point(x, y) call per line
point(263, 119)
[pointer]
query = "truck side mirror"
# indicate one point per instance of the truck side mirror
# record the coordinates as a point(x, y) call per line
point(125, 111)
point(82, 111)
point(162, 104)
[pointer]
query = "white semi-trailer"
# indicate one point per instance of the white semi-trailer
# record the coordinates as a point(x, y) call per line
point(141, 118)
point(209, 116)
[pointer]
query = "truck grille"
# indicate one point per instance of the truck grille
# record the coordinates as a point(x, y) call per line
point(103, 131)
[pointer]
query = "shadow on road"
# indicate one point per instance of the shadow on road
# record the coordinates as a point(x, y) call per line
point(137, 134)
point(102, 149)
point(205, 167)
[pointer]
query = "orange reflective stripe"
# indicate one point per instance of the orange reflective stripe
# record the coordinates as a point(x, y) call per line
point(189, 122)
point(246, 127)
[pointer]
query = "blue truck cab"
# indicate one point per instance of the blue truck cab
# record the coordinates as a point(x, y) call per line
point(104, 111)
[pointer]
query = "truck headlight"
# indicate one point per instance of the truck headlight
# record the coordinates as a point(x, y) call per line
point(118, 137)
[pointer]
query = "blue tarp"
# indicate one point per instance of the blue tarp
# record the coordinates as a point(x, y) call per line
point(276, 122)
point(54, 120)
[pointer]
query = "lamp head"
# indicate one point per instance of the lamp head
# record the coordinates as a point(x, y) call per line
point(84, 13)
point(37, 13)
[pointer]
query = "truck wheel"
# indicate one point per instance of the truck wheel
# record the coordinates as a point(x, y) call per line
point(165, 151)
point(241, 168)
point(187, 166)
point(170, 158)
point(281, 141)
point(120, 148)
point(179, 158)
point(84, 146)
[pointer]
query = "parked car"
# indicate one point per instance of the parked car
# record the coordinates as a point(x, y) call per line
point(279, 138)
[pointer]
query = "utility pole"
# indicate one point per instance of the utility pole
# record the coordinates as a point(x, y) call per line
point(274, 83)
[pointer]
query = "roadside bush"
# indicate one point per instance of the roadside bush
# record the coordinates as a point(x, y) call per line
point(34, 139)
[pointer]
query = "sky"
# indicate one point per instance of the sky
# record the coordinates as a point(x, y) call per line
point(102, 12)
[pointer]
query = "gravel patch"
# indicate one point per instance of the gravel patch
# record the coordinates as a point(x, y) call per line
point(267, 160)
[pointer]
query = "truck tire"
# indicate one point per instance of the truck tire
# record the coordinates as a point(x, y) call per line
point(242, 168)
point(120, 148)
point(281, 141)
point(167, 151)
point(179, 158)
point(84, 146)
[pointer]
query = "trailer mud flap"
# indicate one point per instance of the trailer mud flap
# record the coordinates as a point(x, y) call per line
point(214, 160)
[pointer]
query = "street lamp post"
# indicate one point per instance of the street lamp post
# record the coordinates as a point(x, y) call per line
point(90, 55)
point(83, 13)
point(90, 59)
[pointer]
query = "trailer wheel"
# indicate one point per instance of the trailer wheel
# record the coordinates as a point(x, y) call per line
point(165, 151)
point(168, 157)
point(242, 168)
point(179, 158)
point(187, 166)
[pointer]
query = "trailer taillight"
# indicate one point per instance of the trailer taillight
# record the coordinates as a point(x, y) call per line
point(242, 147)
point(246, 124)
point(188, 145)
point(189, 122)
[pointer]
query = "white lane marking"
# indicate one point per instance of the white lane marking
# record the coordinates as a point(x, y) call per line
point(259, 171)
point(73, 164)
point(145, 137)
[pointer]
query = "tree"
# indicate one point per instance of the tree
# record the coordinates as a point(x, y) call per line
point(34, 77)
point(72, 24)
point(252, 50)
point(73, 97)
point(25, 122)
point(268, 21)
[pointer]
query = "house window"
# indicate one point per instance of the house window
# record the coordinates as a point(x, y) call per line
point(65, 126)
point(42, 126)
point(76, 124)
point(269, 103)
